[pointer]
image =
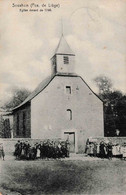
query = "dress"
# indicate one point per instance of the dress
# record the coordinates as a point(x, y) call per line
point(91, 146)
point(109, 151)
point(124, 152)
point(95, 150)
point(114, 150)
point(118, 150)
point(102, 150)
point(38, 153)
point(98, 149)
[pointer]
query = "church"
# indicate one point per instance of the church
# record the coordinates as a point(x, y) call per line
point(63, 106)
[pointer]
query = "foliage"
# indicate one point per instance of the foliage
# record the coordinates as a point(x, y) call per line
point(1, 126)
point(104, 84)
point(5, 130)
point(114, 107)
point(121, 113)
point(18, 96)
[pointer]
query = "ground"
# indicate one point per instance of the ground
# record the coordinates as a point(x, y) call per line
point(74, 176)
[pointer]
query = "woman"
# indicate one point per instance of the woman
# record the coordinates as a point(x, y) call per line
point(109, 151)
point(38, 150)
point(102, 150)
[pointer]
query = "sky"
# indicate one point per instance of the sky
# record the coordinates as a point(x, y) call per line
point(95, 30)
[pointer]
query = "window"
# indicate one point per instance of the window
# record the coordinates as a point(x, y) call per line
point(24, 123)
point(66, 59)
point(69, 114)
point(68, 89)
point(17, 124)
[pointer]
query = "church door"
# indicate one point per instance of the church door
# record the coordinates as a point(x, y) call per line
point(71, 137)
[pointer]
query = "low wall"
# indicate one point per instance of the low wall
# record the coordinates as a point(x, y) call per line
point(10, 143)
point(114, 140)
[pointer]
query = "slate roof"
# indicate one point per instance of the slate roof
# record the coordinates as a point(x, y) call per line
point(38, 89)
point(45, 83)
point(4, 112)
point(63, 47)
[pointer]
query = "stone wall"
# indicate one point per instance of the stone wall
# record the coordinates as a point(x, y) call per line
point(65, 68)
point(10, 143)
point(49, 116)
point(114, 140)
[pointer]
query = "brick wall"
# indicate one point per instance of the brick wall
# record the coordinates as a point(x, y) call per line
point(24, 122)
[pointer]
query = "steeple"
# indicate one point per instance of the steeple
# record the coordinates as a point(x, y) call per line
point(63, 59)
point(63, 47)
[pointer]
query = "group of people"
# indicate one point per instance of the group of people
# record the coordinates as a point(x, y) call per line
point(60, 149)
point(44, 149)
point(106, 150)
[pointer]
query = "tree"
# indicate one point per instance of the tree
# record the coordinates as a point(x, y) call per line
point(18, 96)
point(121, 115)
point(104, 84)
point(1, 127)
point(7, 129)
point(114, 107)
point(111, 113)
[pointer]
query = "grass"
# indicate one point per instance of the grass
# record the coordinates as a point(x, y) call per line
point(64, 177)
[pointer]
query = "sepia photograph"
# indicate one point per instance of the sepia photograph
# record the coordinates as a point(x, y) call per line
point(62, 97)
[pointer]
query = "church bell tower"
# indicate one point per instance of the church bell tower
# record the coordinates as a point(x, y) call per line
point(64, 59)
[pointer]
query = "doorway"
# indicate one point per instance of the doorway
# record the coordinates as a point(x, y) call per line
point(70, 136)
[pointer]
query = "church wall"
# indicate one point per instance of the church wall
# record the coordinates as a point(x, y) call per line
point(65, 68)
point(24, 129)
point(49, 116)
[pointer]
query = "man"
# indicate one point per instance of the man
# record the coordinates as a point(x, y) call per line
point(2, 153)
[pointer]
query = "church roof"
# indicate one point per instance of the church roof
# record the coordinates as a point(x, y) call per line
point(40, 87)
point(63, 47)
point(4, 112)
point(44, 84)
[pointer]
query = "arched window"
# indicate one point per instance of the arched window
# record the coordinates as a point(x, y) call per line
point(69, 114)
